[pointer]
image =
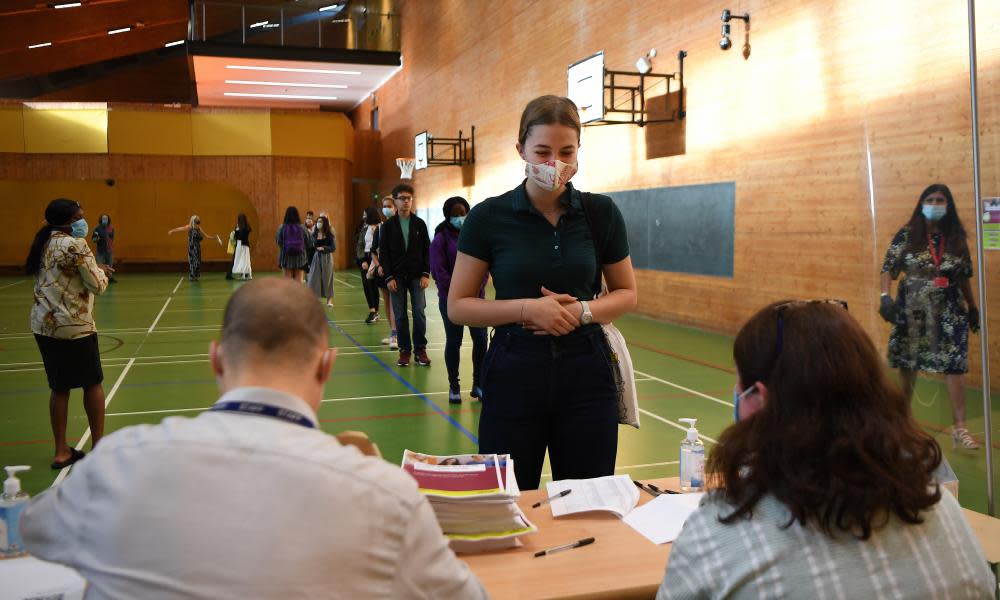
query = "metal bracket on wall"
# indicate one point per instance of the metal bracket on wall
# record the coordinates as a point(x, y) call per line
point(629, 98)
point(446, 152)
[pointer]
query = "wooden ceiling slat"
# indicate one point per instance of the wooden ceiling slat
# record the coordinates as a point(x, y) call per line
point(56, 26)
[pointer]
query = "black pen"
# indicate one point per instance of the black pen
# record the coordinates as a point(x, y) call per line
point(551, 498)
point(577, 544)
point(656, 489)
point(646, 489)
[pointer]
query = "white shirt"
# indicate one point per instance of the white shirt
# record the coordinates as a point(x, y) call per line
point(235, 505)
point(369, 237)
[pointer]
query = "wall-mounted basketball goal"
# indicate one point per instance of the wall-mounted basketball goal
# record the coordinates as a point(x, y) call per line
point(619, 97)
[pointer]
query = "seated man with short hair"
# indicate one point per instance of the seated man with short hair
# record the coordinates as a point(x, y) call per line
point(249, 499)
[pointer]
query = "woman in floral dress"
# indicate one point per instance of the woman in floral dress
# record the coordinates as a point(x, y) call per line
point(934, 307)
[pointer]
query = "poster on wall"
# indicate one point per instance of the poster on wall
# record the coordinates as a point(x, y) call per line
point(991, 223)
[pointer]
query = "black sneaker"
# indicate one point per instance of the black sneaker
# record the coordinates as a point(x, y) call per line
point(454, 397)
point(372, 317)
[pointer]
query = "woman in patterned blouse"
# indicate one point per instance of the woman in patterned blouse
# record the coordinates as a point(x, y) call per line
point(934, 307)
point(62, 318)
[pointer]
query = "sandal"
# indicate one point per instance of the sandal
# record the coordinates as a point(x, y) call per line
point(74, 456)
point(960, 437)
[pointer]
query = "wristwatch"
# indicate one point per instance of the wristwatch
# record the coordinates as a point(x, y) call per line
point(586, 317)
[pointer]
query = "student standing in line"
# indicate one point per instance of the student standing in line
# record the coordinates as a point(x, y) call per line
point(321, 270)
point(934, 307)
point(104, 238)
point(310, 224)
point(363, 252)
point(404, 253)
point(548, 381)
point(825, 482)
point(62, 320)
point(293, 242)
point(195, 235)
point(388, 210)
point(241, 257)
point(443, 251)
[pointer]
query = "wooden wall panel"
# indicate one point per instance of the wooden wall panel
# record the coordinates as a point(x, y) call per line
point(842, 115)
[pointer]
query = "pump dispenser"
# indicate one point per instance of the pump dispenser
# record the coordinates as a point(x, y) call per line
point(12, 502)
point(692, 459)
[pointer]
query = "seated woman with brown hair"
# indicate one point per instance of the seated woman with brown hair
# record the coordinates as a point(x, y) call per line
point(823, 486)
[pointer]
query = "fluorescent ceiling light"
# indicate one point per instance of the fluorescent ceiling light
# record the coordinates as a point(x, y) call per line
point(291, 70)
point(287, 84)
point(259, 24)
point(122, 30)
point(281, 96)
point(331, 7)
point(68, 5)
point(42, 45)
point(177, 43)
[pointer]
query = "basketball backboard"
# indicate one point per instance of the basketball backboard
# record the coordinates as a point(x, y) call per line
point(420, 150)
point(585, 81)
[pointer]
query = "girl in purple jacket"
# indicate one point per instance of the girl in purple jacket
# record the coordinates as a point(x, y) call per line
point(443, 250)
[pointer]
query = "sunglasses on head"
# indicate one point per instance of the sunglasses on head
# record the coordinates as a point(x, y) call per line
point(781, 308)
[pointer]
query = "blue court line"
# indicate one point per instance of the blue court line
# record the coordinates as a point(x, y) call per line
point(407, 384)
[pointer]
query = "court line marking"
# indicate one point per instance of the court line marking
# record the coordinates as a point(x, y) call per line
point(157, 319)
point(673, 424)
point(408, 385)
point(345, 283)
point(176, 287)
point(13, 284)
point(86, 434)
point(177, 410)
point(688, 390)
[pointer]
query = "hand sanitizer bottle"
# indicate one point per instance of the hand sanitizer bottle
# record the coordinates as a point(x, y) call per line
point(692, 459)
point(12, 502)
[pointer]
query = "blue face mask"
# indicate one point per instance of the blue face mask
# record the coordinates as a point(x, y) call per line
point(387, 212)
point(934, 212)
point(737, 397)
point(80, 228)
point(456, 222)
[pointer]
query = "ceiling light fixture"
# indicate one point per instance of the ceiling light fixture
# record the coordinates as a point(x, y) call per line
point(293, 70)
point(331, 7)
point(67, 5)
point(280, 96)
point(42, 45)
point(122, 30)
point(176, 43)
point(259, 24)
point(287, 84)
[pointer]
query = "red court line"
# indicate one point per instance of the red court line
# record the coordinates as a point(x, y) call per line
point(396, 416)
point(685, 358)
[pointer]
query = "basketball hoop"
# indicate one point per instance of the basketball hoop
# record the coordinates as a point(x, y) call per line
point(406, 167)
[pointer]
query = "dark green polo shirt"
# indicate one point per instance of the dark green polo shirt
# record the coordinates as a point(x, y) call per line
point(526, 252)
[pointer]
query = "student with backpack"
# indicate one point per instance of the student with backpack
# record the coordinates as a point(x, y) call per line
point(293, 244)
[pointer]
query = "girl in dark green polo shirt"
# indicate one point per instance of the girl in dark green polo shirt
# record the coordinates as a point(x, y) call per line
point(547, 377)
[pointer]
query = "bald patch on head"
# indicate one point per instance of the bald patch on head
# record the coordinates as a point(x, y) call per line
point(270, 321)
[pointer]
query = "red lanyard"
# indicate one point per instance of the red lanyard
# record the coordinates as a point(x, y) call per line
point(936, 253)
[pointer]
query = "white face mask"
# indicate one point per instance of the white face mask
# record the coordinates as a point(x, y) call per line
point(549, 175)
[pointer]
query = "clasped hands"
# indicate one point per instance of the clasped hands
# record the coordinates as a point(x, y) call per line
point(552, 314)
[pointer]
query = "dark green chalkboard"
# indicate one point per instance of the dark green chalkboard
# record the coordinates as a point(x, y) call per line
point(687, 229)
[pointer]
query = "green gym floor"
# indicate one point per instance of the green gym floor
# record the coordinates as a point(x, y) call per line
point(154, 336)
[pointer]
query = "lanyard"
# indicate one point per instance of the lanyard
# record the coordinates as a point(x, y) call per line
point(265, 410)
point(937, 253)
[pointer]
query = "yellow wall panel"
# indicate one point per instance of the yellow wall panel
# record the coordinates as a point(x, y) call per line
point(11, 129)
point(312, 134)
point(65, 131)
point(140, 132)
point(231, 134)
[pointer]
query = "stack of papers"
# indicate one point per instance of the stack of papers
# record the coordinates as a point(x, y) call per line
point(660, 520)
point(474, 497)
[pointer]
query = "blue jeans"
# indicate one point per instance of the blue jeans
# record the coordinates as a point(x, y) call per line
point(398, 298)
point(550, 392)
point(453, 346)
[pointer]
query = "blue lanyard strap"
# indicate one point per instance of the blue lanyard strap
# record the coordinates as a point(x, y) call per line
point(265, 410)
